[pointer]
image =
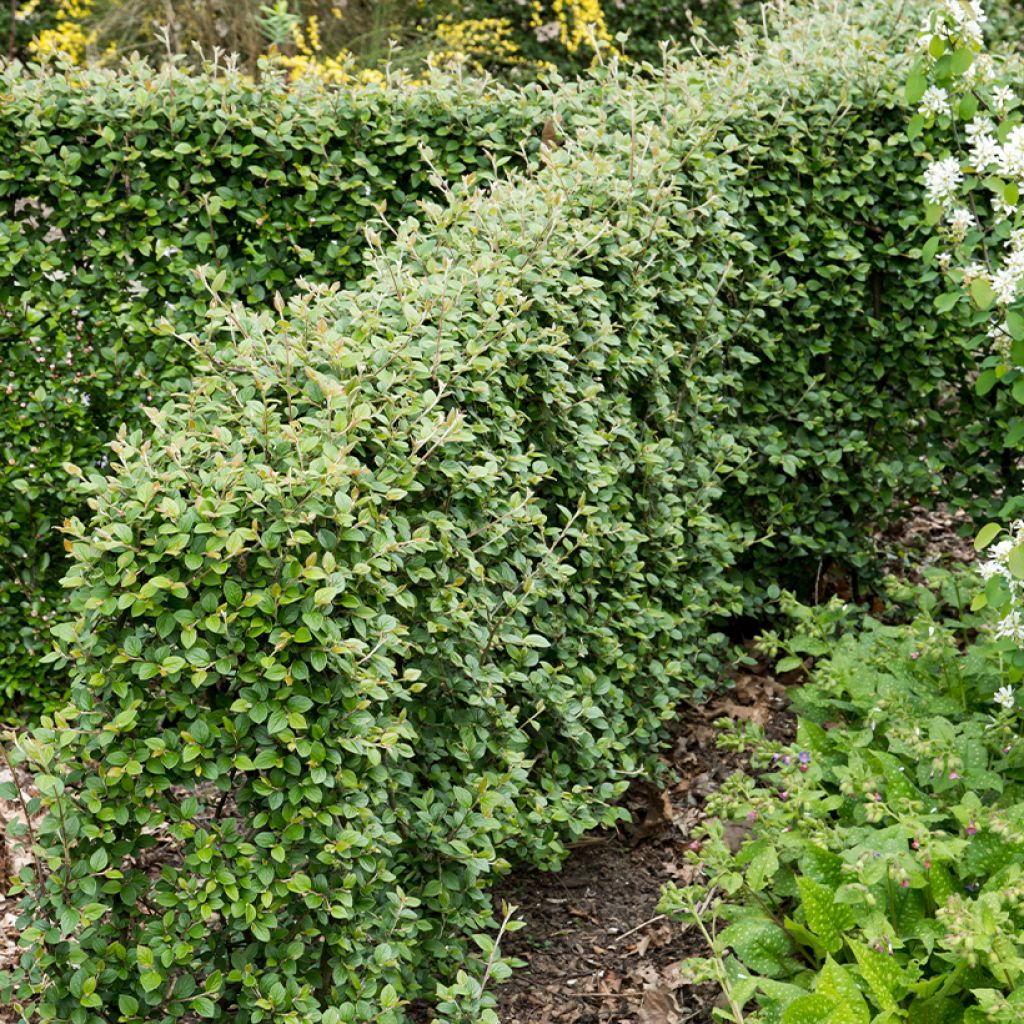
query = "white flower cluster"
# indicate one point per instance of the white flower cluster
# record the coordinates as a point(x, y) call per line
point(948, 181)
point(942, 179)
point(935, 102)
point(1002, 98)
point(960, 222)
point(998, 564)
point(961, 21)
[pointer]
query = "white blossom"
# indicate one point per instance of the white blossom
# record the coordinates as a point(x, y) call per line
point(1012, 162)
point(934, 102)
point(960, 222)
point(942, 178)
point(981, 72)
point(1002, 208)
point(1004, 697)
point(1002, 97)
point(1010, 628)
point(985, 151)
point(1004, 284)
point(979, 126)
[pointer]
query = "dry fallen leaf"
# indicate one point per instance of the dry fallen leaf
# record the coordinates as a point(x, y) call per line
point(657, 814)
point(659, 1005)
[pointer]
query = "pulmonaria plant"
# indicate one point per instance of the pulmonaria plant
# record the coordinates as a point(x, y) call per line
point(873, 870)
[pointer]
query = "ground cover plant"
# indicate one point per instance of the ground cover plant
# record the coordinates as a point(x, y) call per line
point(881, 878)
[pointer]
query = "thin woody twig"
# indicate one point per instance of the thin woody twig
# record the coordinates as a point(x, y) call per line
point(24, 811)
point(639, 927)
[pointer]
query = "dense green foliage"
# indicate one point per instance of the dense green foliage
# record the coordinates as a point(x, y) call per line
point(839, 384)
point(881, 877)
point(405, 583)
point(114, 189)
point(389, 594)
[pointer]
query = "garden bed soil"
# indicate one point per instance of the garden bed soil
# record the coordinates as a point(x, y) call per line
point(596, 950)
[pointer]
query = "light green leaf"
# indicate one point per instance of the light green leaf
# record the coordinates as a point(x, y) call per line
point(986, 535)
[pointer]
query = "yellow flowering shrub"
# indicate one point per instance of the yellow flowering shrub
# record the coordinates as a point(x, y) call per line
point(582, 25)
point(309, 60)
point(477, 42)
point(69, 35)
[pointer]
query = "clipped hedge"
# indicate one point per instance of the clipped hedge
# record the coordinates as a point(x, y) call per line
point(841, 397)
point(405, 585)
point(115, 186)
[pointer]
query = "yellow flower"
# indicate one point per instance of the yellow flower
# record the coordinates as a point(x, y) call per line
point(68, 36)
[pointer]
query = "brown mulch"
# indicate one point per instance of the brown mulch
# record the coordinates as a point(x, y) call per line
point(595, 947)
point(929, 538)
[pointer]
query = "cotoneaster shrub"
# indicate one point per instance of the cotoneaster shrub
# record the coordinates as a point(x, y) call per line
point(852, 390)
point(115, 186)
point(402, 588)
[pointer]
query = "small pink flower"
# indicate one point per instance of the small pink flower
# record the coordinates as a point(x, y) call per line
point(972, 829)
point(783, 794)
point(695, 846)
point(954, 775)
point(905, 884)
point(878, 797)
point(927, 865)
point(752, 816)
point(915, 656)
point(1006, 750)
point(804, 767)
point(915, 845)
